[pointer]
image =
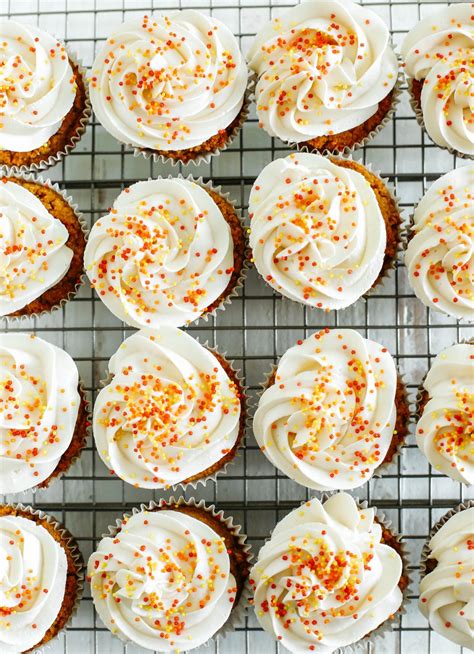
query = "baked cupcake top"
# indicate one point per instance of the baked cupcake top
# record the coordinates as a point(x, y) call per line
point(168, 82)
point(445, 430)
point(317, 233)
point(327, 421)
point(39, 404)
point(37, 86)
point(440, 255)
point(163, 582)
point(446, 592)
point(323, 68)
point(325, 579)
point(170, 412)
point(32, 583)
point(440, 51)
point(163, 254)
point(33, 251)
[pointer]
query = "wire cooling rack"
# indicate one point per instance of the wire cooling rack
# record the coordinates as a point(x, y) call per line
point(255, 330)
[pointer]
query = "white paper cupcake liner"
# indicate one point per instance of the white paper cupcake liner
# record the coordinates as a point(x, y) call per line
point(30, 177)
point(239, 611)
point(416, 106)
point(53, 159)
point(76, 555)
point(160, 157)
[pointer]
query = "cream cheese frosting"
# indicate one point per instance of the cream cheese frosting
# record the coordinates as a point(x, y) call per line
point(323, 68)
point(440, 51)
point(162, 255)
point(33, 571)
point(37, 86)
point(440, 256)
point(317, 233)
point(328, 418)
point(446, 592)
point(325, 579)
point(168, 82)
point(163, 582)
point(39, 404)
point(170, 411)
point(445, 431)
point(33, 251)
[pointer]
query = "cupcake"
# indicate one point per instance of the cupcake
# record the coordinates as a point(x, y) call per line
point(439, 61)
point(173, 412)
point(326, 75)
point(44, 107)
point(41, 578)
point(171, 86)
point(330, 575)
point(439, 256)
point(323, 231)
point(446, 413)
point(446, 576)
point(42, 244)
point(169, 251)
point(170, 577)
point(333, 413)
point(43, 412)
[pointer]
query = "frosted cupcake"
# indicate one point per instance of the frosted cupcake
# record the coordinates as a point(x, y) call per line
point(169, 251)
point(171, 85)
point(446, 577)
point(445, 428)
point(43, 412)
point(323, 231)
point(439, 60)
point(170, 577)
point(172, 413)
point(326, 75)
point(440, 255)
point(333, 412)
point(330, 575)
point(44, 106)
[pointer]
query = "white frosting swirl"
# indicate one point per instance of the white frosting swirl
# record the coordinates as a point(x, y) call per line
point(164, 582)
point(37, 86)
point(33, 571)
point(440, 256)
point(445, 431)
point(440, 51)
point(170, 412)
point(327, 421)
point(39, 403)
point(317, 233)
point(163, 254)
point(323, 68)
point(324, 579)
point(446, 598)
point(169, 82)
point(33, 251)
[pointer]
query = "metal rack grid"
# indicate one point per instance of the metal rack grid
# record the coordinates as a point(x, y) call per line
point(255, 330)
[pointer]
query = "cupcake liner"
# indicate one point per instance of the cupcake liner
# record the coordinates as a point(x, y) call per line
point(30, 177)
point(239, 611)
point(76, 555)
point(204, 157)
point(416, 106)
point(425, 552)
point(385, 465)
point(53, 159)
point(348, 150)
point(245, 408)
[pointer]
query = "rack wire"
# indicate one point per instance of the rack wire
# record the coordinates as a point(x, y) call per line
point(255, 330)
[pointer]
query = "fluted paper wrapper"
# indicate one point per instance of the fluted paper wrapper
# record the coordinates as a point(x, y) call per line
point(76, 555)
point(238, 611)
point(29, 177)
point(53, 159)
